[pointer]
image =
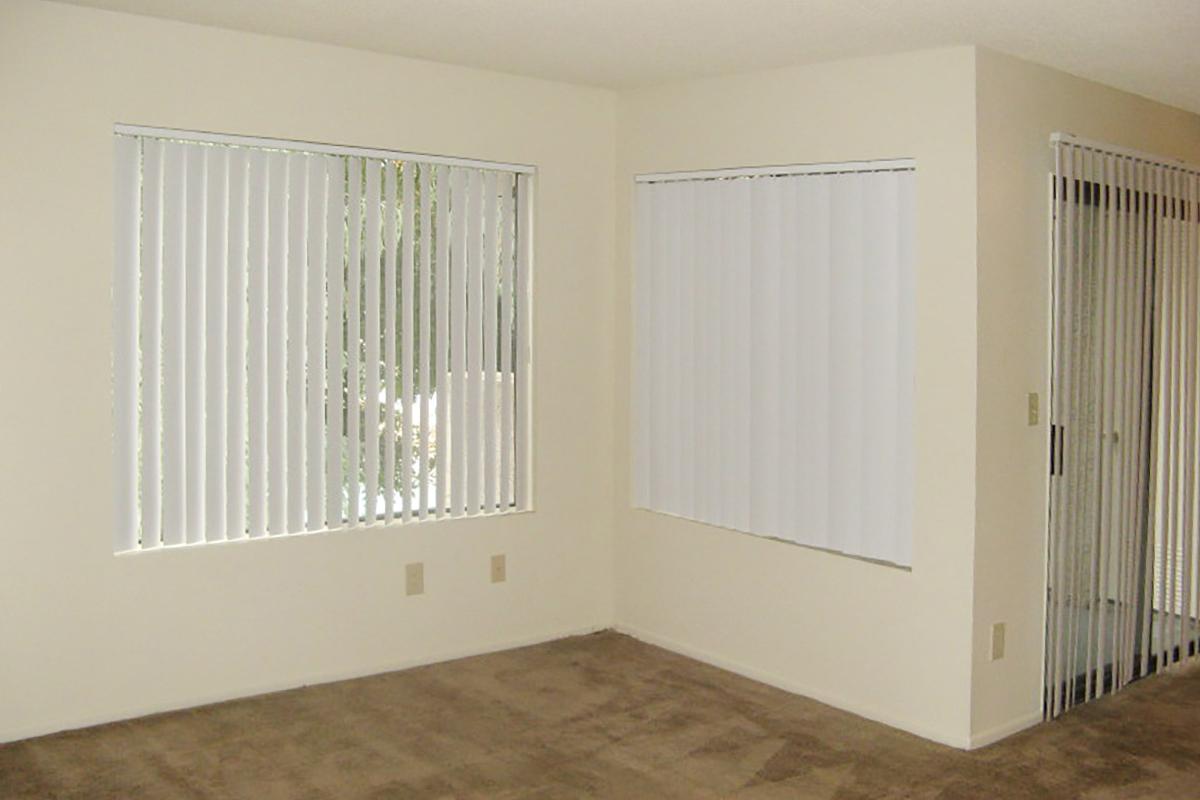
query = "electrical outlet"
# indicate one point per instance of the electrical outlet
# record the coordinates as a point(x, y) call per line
point(499, 569)
point(997, 641)
point(414, 579)
point(1033, 408)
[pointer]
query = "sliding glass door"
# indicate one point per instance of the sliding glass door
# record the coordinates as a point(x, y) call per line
point(1123, 518)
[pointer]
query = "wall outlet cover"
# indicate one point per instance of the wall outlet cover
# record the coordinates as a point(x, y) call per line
point(414, 579)
point(499, 569)
point(997, 641)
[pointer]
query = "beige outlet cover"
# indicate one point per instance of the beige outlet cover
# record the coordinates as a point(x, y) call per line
point(414, 579)
point(997, 641)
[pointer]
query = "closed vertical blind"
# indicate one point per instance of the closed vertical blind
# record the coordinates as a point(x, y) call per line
point(309, 338)
point(773, 376)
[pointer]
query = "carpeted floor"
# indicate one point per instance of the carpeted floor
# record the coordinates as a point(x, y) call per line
point(599, 716)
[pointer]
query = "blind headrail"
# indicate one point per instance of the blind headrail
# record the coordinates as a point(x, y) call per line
point(205, 137)
point(883, 165)
point(1070, 139)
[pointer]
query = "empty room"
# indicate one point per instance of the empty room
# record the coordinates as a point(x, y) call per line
point(659, 399)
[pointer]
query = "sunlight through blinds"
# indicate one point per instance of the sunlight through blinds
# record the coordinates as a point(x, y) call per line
point(310, 337)
point(1122, 570)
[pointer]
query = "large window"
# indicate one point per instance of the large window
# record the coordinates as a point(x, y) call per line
point(773, 379)
point(311, 337)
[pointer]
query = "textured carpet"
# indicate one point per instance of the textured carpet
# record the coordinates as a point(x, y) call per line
point(599, 716)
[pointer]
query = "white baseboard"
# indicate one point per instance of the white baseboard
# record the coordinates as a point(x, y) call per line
point(250, 690)
point(995, 734)
point(960, 742)
point(980, 739)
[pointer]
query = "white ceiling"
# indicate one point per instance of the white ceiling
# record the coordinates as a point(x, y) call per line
point(1151, 47)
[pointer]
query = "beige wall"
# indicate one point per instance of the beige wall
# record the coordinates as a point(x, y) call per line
point(1019, 106)
point(86, 636)
point(887, 643)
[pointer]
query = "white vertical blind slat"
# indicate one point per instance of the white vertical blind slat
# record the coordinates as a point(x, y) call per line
point(490, 341)
point(335, 279)
point(1189, 354)
point(523, 380)
point(1146, 236)
point(473, 408)
point(442, 314)
point(391, 223)
point(314, 349)
point(793, 356)
point(1170, 494)
point(654, 405)
point(1055, 612)
point(458, 340)
point(906, 347)
point(173, 350)
point(1078, 439)
point(846, 376)
point(297, 279)
point(1122, 443)
point(703, 312)
point(1192, 259)
point(765, 349)
point(813, 312)
point(215, 345)
point(151, 343)
point(671, 307)
point(408, 242)
point(235, 336)
point(425, 282)
point(127, 210)
point(259, 254)
point(1129, 445)
point(354, 481)
point(372, 316)
point(683, 394)
point(194, 421)
point(882, 305)
point(643, 320)
point(738, 465)
point(507, 222)
point(277, 330)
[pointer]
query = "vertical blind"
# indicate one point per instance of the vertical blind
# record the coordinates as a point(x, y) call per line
point(773, 379)
point(1122, 567)
point(309, 338)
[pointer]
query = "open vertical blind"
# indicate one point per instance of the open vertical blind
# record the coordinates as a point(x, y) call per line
point(308, 338)
point(1123, 547)
point(773, 385)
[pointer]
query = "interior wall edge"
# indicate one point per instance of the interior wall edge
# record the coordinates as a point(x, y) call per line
point(1019, 104)
point(715, 593)
point(316, 679)
point(1003, 731)
point(962, 742)
point(90, 637)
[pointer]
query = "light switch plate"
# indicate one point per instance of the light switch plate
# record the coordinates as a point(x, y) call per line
point(414, 579)
point(499, 569)
point(1033, 408)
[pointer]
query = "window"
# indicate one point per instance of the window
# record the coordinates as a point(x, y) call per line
point(773, 376)
point(311, 337)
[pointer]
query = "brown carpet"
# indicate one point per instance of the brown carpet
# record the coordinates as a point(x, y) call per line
point(599, 716)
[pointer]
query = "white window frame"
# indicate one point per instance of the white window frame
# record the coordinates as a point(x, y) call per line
point(292, 272)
